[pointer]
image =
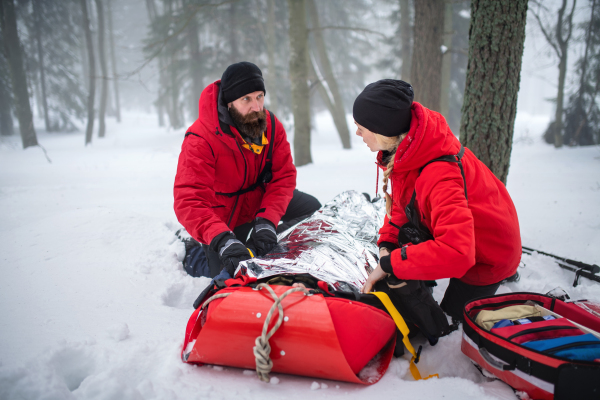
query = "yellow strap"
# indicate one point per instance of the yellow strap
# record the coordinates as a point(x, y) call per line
point(250, 251)
point(385, 299)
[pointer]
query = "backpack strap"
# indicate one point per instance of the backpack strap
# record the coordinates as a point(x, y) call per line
point(266, 174)
point(454, 159)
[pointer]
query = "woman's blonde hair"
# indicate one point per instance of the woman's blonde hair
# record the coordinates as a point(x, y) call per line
point(389, 144)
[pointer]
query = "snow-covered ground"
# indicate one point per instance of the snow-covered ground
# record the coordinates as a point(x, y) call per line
point(94, 300)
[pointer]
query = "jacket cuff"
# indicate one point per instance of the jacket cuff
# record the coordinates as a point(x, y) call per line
point(386, 264)
point(220, 240)
point(388, 245)
point(261, 220)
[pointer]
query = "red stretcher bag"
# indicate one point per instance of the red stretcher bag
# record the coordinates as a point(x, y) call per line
point(322, 337)
point(541, 375)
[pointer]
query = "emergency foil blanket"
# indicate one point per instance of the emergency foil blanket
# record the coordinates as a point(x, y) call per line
point(337, 244)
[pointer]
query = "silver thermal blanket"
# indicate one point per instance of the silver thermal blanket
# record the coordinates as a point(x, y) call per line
point(337, 244)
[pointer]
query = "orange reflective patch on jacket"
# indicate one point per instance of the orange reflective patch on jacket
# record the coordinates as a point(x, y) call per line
point(256, 148)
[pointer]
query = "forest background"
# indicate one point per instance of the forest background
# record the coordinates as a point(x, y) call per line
point(86, 60)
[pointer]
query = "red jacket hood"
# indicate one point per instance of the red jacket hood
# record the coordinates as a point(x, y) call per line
point(208, 115)
point(429, 137)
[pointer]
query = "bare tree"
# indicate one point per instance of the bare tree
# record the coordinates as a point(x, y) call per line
point(559, 41)
point(496, 39)
point(406, 31)
point(104, 77)
point(91, 72)
point(298, 76)
point(426, 66)
point(6, 103)
point(446, 61)
point(113, 62)
point(37, 12)
point(14, 55)
point(335, 103)
point(271, 41)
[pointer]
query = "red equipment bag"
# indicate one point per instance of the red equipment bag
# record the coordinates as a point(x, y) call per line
point(321, 337)
point(540, 374)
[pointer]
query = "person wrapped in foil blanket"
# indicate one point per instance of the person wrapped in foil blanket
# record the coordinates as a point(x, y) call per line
point(337, 244)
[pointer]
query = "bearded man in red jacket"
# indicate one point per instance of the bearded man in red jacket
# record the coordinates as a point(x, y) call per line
point(235, 175)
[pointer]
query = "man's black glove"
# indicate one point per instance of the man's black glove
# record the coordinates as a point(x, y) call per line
point(263, 237)
point(231, 251)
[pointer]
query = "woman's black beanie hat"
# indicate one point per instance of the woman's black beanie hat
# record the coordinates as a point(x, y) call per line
point(383, 107)
point(239, 79)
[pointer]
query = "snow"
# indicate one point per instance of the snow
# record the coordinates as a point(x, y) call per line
point(94, 301)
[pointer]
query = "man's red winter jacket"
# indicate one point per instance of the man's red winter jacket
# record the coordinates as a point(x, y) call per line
point(212, 162)
point(477, 241)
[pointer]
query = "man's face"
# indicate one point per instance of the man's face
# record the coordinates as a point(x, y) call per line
point(248, 114)
point(252, 102)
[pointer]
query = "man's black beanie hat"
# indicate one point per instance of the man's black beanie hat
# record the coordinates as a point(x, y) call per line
point(383, 107)
point(239, 79)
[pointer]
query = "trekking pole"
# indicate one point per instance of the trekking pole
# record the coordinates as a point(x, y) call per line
point(581, 269)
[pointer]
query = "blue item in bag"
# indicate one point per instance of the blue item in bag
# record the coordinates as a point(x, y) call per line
point(503, 323)
point(582, 348)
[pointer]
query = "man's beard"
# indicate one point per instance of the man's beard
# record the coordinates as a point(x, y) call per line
point(252, 124)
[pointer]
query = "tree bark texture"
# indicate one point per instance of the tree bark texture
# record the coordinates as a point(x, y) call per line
point(338, 113)
point(91, 72)
point(14, 55)
point(195, 65)
point(113, 60)
point(104, 77)
point(37, 5)
point(496, 39)
point(299, 78)
point(271, 44)
point(446, 62)
point(406, 31)
point(6, 101)
point(427, 55)
point(563, 45)
point(151, 8)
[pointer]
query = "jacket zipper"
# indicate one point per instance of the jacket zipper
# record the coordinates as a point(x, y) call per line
point(243, 182)
point(540, 329)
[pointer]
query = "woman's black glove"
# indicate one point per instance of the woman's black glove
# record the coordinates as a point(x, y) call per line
point(231, 251)
point(264, 237)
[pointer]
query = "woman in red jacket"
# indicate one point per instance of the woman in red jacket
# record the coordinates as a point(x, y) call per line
point(448, 216)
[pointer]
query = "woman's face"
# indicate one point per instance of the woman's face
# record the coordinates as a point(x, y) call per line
point(368, 137)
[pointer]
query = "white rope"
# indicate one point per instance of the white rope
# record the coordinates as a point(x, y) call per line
point(262, 348)
point(216, 296)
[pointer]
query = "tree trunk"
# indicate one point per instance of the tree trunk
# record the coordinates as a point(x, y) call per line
point(91, 72)
point(339, 113)
point(427, 55)
point(114, 62)
point(271, 42)
point(6, 119)
point(151, 8)
point(446, 62)
point(496, 39)
point(405, 38)
point(195, 69)
point(233, 45)
point(298, 76)
point(37, 13)
point(104, 77)
point(14, 57)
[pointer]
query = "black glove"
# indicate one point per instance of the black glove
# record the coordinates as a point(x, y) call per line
point(263, 237)
point(231, 251)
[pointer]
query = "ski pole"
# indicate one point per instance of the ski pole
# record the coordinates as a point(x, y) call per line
point(588, 272)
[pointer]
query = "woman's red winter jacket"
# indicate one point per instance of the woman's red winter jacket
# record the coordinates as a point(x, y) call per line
point(477, 241)
point(212, 161)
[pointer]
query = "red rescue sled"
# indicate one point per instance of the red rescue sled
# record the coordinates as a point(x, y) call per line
point(321, 337)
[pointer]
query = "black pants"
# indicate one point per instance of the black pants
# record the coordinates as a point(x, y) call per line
point(459, 293)
point(301, 206)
